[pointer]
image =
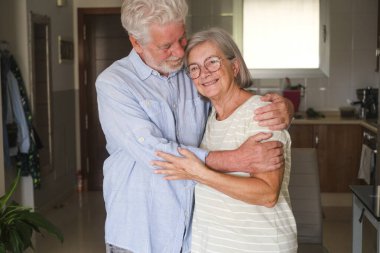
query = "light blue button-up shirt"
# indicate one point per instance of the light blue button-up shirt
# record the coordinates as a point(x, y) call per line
point(140, 112)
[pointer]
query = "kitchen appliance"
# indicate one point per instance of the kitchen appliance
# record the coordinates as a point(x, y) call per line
point(368, 101)
point(370, 141)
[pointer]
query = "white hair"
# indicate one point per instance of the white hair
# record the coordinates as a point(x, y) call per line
point(223, 40)
point(138, 15)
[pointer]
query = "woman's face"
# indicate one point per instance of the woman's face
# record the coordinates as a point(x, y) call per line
point(217, 84)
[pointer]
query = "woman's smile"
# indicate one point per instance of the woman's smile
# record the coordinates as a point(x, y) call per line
point(212, 82)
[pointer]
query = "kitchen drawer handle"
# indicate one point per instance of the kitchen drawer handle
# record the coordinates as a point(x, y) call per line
point(316, 140)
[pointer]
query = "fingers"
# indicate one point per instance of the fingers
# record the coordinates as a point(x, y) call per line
point(272, 157)
point(273, 108)
point(270, 151)
point(166, 156)
point(274, 145)
point(172, 174)
point(290, 108)
point(261, 136)
point(258, 138)
point(186, 153)
point(163, 164)
point(274, 124)
point(275, 116)
point(275, 163)
point(270, 97)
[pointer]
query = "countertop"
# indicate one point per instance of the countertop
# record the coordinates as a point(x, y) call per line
point(334, 118)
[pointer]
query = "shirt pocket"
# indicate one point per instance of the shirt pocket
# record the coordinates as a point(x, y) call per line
point(154, 110)
point(192, 121)
point(161, 115)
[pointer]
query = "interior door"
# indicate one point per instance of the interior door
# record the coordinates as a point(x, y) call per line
point(102, 40)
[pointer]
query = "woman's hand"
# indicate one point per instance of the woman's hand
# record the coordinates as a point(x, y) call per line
point(277, 115)
point(180, 168)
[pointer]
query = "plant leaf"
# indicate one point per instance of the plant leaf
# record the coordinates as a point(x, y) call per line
point(38, 221)
point(2, 247)
point(25, 233)
point(17, 224)
point(15, 244)
point(4, 199)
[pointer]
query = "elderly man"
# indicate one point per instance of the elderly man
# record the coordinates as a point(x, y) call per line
point(146, 103)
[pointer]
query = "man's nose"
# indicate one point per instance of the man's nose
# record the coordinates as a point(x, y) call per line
point(178, 50)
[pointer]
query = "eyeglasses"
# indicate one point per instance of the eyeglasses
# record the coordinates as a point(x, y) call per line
point(212, 64)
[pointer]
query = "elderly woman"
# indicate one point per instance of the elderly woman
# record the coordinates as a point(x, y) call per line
point(234, 212)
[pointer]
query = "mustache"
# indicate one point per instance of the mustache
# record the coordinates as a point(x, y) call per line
point(174, 58)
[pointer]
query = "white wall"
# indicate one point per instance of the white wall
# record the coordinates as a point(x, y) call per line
point(60, 180)
point(353, 31)
point(14, 28)
point(61, 25)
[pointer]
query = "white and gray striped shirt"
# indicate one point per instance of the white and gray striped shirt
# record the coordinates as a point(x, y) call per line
point(222, 224)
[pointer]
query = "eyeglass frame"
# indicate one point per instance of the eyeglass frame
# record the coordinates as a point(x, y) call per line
point(220, 59)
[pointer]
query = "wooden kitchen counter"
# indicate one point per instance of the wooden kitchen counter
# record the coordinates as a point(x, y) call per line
point(338, 142)
point(334, 118)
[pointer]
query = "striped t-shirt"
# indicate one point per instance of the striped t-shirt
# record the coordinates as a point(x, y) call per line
point(222, 224)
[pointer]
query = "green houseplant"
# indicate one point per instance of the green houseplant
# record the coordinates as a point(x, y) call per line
point(17, 224)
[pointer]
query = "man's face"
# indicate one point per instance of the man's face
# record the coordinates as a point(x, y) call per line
point(165, 50)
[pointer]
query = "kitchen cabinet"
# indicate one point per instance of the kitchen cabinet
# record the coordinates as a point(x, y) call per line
point(225, 14)
point(338, 149)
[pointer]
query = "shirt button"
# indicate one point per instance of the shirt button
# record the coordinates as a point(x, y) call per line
point(141, 139)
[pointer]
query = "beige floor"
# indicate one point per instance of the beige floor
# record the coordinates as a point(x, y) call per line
point(81, 219)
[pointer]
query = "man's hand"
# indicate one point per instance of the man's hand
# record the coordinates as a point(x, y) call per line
point(277, 115)
point(254, 156)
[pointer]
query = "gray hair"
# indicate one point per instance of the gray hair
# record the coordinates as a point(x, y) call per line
point(138, 15)
point(227, 45)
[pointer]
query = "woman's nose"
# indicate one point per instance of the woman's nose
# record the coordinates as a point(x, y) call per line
point(204, 71)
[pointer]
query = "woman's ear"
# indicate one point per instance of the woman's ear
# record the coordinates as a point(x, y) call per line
point(235, 67)
point(136, 45)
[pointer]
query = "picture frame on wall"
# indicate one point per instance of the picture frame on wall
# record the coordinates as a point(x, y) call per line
point(65, 50)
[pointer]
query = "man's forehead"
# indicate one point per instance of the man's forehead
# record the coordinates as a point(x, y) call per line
point(167, 32)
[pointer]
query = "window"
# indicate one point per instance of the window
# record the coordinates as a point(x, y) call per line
point(278, 38)
point(281, 36)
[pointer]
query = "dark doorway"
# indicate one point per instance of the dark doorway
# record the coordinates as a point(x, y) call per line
point(102, 40)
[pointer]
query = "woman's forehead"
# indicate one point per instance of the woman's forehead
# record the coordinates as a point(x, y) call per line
point(204, 50)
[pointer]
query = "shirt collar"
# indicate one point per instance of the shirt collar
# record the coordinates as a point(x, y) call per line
point(143, 70)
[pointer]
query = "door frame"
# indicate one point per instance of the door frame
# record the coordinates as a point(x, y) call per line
point(84, 160)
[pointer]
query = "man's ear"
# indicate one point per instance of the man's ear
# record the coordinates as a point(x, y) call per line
point(136, 45)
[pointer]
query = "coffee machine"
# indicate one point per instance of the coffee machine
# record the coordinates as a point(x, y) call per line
point(368, 101)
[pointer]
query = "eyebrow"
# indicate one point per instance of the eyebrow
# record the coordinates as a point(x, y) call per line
point(169, 44)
